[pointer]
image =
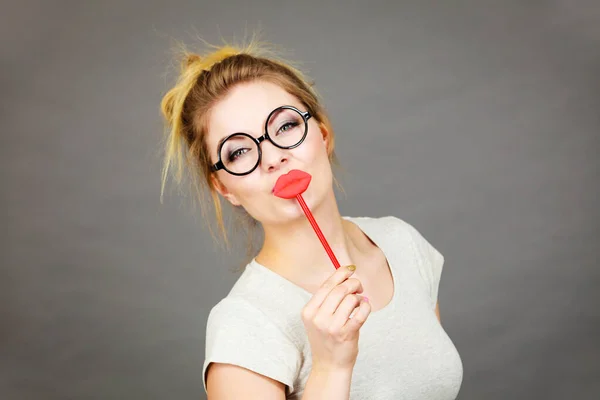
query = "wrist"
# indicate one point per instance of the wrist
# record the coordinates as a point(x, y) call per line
point(332, 370)
point(328, 382)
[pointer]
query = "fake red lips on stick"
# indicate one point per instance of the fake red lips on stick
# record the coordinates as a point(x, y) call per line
point(293, 184)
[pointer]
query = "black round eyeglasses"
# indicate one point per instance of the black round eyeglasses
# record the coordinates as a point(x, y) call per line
point(239, 153)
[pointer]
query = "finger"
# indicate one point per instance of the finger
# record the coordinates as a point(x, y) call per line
point(339, 276)
point(353, 285)
point(336, 296)
point(345, 309)
point(358, 319)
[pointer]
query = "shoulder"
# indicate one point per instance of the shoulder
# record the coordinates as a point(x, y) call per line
point(261, 297)
point(402, 235)
point(231, 310)
point(429, 259)
point(233, 315)
point(388, 225)
point(239, 333)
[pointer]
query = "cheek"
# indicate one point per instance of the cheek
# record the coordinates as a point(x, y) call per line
point(313, 147)
point(247, 189)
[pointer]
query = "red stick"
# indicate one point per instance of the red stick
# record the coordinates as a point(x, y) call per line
point(317, 230)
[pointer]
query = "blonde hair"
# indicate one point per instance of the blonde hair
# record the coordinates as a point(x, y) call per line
point(203, 81)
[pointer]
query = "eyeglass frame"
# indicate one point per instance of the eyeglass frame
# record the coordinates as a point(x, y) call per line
point(306, 115)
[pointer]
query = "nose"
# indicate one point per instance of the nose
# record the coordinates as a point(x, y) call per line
point(272, 157)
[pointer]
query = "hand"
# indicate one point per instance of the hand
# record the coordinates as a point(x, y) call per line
point(332, 333)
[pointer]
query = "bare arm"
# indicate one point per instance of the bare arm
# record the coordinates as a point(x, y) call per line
point(227, 381)
point(437, 311)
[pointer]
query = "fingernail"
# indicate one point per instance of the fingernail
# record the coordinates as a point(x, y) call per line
point(351, 267)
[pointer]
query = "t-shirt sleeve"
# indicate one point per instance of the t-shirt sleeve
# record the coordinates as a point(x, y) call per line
point(430, 261)
point(238, 333)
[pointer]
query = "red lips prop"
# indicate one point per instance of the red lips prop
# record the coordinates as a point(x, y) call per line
point(293, 184)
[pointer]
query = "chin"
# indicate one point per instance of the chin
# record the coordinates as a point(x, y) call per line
point(313, 197)
point(289, 210)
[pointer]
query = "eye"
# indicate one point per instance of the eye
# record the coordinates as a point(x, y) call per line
point(287, 127)
point(236, 154)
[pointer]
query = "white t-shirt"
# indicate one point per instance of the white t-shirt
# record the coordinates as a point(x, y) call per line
point(404, 353)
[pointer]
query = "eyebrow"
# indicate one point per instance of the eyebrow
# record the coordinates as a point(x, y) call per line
point(221, 141)
point(226, 137)
point(275, 115)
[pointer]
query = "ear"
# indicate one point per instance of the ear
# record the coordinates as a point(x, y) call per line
point(223, 191)
point(326, 136)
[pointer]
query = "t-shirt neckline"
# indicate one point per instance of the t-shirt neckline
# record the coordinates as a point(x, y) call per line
point(390, 306)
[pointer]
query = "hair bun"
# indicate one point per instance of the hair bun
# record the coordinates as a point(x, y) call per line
point(191, 58)
point(205, 63)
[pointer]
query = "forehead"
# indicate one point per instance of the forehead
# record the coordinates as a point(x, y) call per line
point(245, 109)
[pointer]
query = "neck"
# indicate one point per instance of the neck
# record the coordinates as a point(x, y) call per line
point(294, 251)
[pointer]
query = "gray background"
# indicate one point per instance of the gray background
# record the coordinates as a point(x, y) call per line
point(475, 121)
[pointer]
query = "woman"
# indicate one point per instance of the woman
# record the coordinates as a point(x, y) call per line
point(292, 326)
